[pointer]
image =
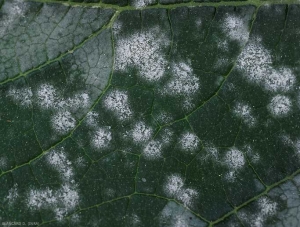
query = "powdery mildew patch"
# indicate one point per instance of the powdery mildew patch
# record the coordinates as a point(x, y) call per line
point(143, 50)
point(62, 200)
point(141, 132)
point(189, 142)
point(13, 194)
point(174, 187)
point(244, 112)
point(91, 118)
point(153, 150)
point(265, 209)
point(117, 102)
point(255, 62)
point(280, 106)
point(234, 159)
point(63, 122)
point(102, 138)
point(142, 3)
point(21, 96)
point(236, 28)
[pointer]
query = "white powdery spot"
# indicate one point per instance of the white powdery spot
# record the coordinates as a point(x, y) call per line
point(256, 63)
point(211, 153)
point(267, 207)
point(47, 96)
point(230, 176)
point(189, 141)
point(61, 201)
point(117, 102)
point(143, 51)
point(141, 132)
point(78, 101)
point(60, 162)
point(12, 194)
point(21, 96)
point(183, 81)
point(102, 138)
point(142, 3)
point(280, 106)
point(63, 122)
point(174, 187)
point(152, 150)
point(244, 112)
point(236, 29)
point(91, 118)
point(234, 159)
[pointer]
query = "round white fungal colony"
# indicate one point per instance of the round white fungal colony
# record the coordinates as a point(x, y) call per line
point(21, 96)
point(142, 3)
point(60, 162)
point(117, 102)
point(267, 207)
point(173, 185)
point(189, 141)
point(244, 112)
point(186, 196)
point(256, 63)
point(63, 122)
point(236, 28)
point(91, 118)
point(143, 51)
point(102, 138)
point(280, 106)
point(47, 96)
point(183, 81)
point(141, 132)
point(152, 150)
point(234, 159)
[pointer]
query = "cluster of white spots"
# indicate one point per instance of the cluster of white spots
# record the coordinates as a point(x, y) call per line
point(102, 138)
point(183, 81)
point(253, 156)
point(256, 63)
point(142, 3)
point(143, 51)
point(141, 132)
point(117, 102)
point(3, 162)
point(234, 159)
point(21, 96)
point(189, 142)
point(236, 28)
point(294, 144)
point(12, 194)
point(91, 118)
point(48, 97)
point(280, 106)
point(244, 112)
point(63, 122)
point(174, 187)
point(153, 150)
point(265, 209)
point(13, 10)
point(62, 200)
point(59, 161)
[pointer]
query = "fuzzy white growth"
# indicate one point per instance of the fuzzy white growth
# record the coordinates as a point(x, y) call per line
point(256, 63)
point(174, 187)
point(102, 138)
point(61, 201)
point(91, 118)
point(142, 3)
point(63, 122)
point(47, 96)
point(189, 141)
point(244, 112)
point(143, 51)
point(267, 207)
point(152, 150)
point(211, 153)
point(60, 162)
point(234, 159)
point(12, 194)
point(236, 28)
point(117, 102)
point(141, 132)
point(183, 81)
point(21, 96)
point(280, 106)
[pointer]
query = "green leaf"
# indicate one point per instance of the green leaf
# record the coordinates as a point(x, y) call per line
point(149, 113)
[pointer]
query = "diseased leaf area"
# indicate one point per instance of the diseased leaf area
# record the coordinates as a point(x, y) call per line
point(176, 116)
